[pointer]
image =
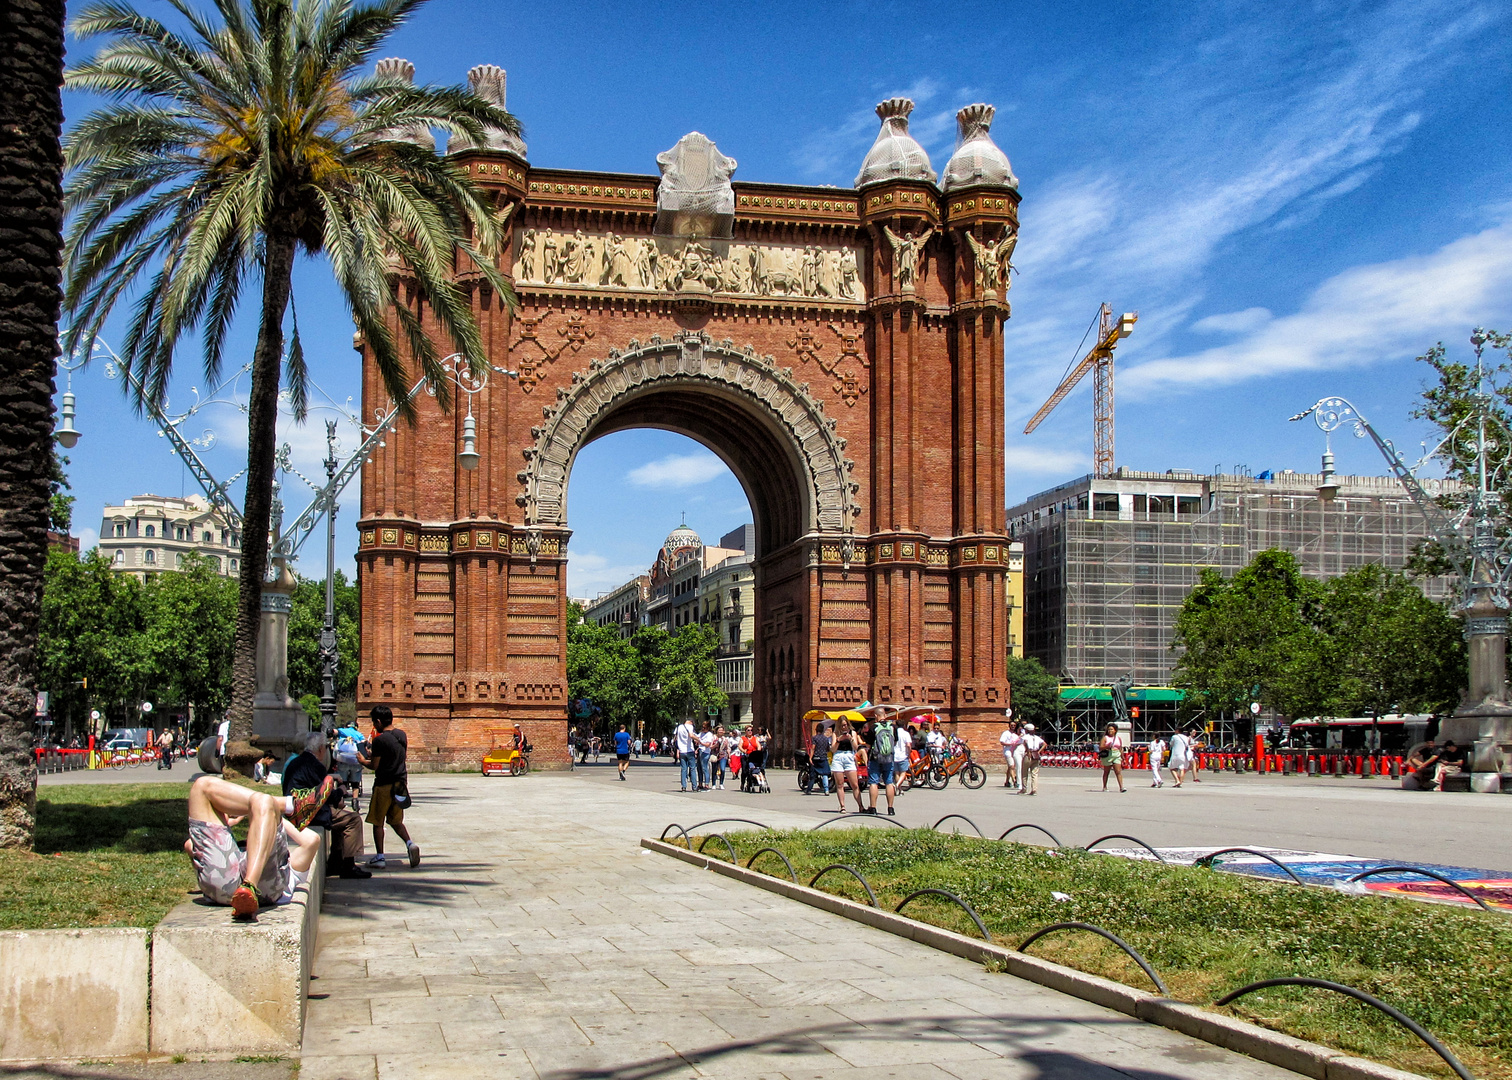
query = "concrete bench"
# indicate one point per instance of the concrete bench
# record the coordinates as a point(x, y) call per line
point(219, 985)
point(73, 993)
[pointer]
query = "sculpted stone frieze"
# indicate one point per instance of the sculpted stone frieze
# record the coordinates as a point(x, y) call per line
point(828, 274)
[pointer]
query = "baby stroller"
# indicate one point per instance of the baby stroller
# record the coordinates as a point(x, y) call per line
point(753, 775)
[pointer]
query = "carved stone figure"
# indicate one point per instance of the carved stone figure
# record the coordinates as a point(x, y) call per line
point(850, 274)
point(993, 264)
point(695, 266)
point(695, 197)
point(525, 265)
point(645, 263)
point(549, 260)
point(825, 264)
point(574, 258)
point(618, 269)
point(906, 256)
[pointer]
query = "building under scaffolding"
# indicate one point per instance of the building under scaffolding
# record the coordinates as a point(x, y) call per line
point(1109, 560)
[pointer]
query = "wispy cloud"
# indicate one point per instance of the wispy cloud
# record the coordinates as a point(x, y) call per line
point(677, 471)
point(1364, 315)
point(1044, 460)
point(590, 574)
point(1233, 322)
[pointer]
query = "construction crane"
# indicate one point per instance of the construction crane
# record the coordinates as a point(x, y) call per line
point(1100, 361)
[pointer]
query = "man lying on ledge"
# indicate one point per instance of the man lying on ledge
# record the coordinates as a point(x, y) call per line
point(267, 872)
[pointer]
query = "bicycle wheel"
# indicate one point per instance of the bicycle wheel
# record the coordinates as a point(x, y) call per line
point(905, 781)
point(116, 761)
point(518, 767)
point(973, 776)
point(806, 781)
point(937, 778)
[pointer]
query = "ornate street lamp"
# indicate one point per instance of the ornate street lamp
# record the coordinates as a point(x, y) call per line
point(1468, 537)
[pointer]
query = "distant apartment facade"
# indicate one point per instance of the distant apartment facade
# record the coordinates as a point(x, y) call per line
point(623, 608)
point(151, 533)
point(1108, 561)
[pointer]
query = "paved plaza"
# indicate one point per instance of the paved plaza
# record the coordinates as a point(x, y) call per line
point(538, 940)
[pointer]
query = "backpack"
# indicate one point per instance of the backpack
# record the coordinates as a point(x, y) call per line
point(884, 741)
point(346, 750)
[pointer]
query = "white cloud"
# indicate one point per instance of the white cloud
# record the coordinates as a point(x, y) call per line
point(1043, 460)
point(88, 539)
point(590, 574)
point(677, 471)
point(1364, 315)
point(1233, 322)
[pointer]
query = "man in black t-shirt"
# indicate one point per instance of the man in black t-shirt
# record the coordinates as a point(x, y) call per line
point(386, 757)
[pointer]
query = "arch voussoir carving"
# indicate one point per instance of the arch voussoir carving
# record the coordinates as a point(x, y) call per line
point(689, 359)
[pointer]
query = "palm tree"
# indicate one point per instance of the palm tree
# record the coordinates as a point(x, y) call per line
point(227, 149)
point(31, 182)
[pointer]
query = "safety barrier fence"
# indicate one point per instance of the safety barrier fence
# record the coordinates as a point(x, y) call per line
point(1289, 762)
point(1396, 1015)
point(56, 761)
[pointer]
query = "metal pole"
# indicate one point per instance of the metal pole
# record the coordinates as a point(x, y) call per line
point(329, 650)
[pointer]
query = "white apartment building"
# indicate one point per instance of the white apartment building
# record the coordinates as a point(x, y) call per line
point(149, 533)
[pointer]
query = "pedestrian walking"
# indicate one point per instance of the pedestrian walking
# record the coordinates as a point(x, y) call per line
point(1011, 740)
point(819, 757)
point(1034, 746)
point(1181, 756)
point(349, 744)
point(1157, 758)
point(622, 750)
point(388, 757)
point(165, 749)
point(843, 765)
point(880, 769)
point(685, 745)
point(705, 757)
point(1110, 756)
point(902, 747)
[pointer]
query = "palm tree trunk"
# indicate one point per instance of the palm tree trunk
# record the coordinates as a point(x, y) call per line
point(31, 245)
point(262, 436)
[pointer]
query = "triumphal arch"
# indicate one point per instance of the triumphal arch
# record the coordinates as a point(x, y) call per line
point(840, 349)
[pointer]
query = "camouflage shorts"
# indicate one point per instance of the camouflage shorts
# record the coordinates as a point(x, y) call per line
point(220, 864)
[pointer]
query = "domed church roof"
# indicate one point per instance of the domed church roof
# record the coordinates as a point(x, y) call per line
point(681, 537)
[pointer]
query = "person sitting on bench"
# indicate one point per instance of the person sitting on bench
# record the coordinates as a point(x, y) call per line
point(263, 874)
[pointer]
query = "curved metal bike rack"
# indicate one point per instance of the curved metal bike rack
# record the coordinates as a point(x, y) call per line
point(1027, 825)
point(1144, 965)
point(1359, 995)
point(734, 858)
point(680, 829)
point(864, 817)
point(1426, 873)
point(744, 821)
point(853, 872)
point(1207, 861)
point(1124, 836)
point(780, 855)
point(963, 817)
point(949, 896)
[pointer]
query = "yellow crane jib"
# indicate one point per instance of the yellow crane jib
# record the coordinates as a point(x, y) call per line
point(1100, 360)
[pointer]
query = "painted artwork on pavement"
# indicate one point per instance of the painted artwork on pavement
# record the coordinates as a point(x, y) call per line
point(1317, 868)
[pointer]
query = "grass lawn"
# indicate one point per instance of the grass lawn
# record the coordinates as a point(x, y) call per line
point(106, 855)
point(1206, 932)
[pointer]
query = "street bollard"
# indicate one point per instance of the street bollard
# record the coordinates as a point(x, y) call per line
point(1312, 766)
point(1369, 769)
point(1396, 768)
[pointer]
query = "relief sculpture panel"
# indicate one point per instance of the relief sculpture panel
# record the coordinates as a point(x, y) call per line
point(828, 274)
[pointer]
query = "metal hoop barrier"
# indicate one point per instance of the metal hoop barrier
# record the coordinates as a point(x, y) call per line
point(680, 829)
point(1026, 825)
point(963, 817)
point(1144, 965)
point(1207, 861)
point(1123, 836)
point(852, 872)
point(1359, 995)
point(863, 817)
point(743, 821)
point(949, 896)
point(780, 855)
point(1426, 873)
point(734, 858)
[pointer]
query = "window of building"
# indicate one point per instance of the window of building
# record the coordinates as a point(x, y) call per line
point(151, 530)
point(178, 560)
point(234, 565)
point(150, 557)
point(1188, 504)
point(1141, 504)
point(1162, 504)
point(178, 532)
point(120, 556)
point(207, 537)
point(120, 529)
point(1105, 502)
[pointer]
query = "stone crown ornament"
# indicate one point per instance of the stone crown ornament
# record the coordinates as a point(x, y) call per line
point(488, 81)
point(896, 155)
point(977, 159)
point(695, 197)
point(394, 69)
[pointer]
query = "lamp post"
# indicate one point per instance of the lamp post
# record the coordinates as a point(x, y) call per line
point(330, 654)
point(1468, 537)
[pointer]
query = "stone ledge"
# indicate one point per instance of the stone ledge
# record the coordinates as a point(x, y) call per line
point(224, 986)
point(1297, 1055)
point(73, 993)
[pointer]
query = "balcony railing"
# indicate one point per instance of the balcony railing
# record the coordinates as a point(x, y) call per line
point(722, 652)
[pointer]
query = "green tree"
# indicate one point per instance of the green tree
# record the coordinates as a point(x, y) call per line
point(684, 667)
point(59, 505)
point(1389, 648)
point(188, 618)
point(91, 648)
point(305, 623)
point(607, 670)
point(1253, 638)
point(226, 151)
point(1035, 692)
point(31, 168)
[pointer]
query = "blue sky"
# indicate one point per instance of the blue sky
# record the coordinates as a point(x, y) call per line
point(1297, 199)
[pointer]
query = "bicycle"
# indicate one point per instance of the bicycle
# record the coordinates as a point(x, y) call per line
point(959, 764)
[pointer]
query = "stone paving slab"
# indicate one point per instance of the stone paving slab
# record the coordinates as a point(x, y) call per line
point(553, 947)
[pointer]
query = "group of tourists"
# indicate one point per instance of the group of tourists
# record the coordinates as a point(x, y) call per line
point(1181, 746)
point(1021, 753)
point(708, 755)
point(880, 751)
point(282, 841)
